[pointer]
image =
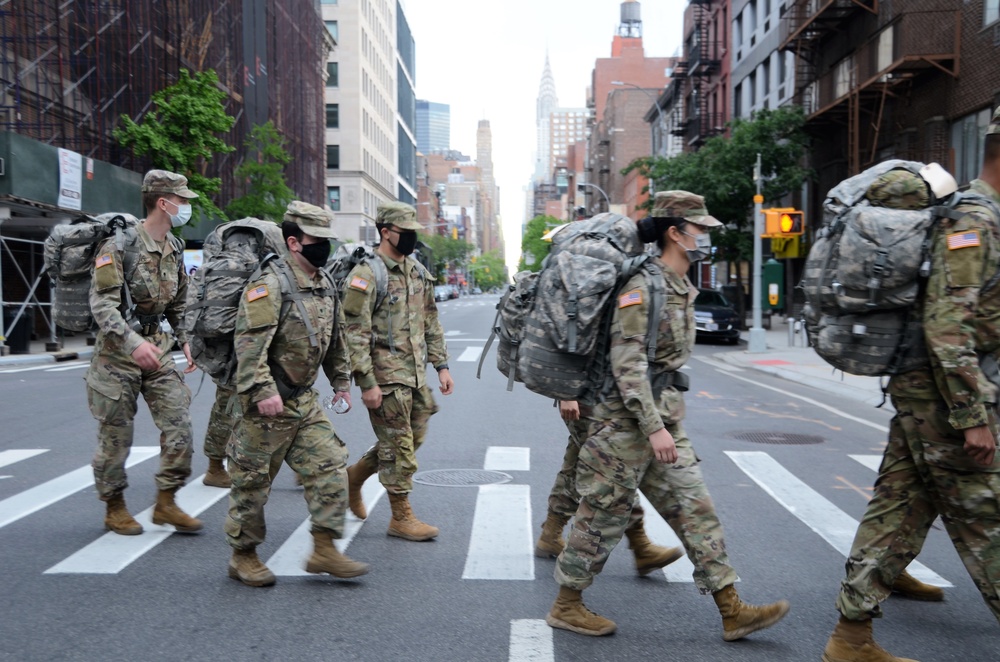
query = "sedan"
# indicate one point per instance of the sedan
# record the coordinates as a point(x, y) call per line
point(442, 292)
point(716, 317)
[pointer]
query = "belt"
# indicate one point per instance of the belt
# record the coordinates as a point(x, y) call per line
point(285, 390)
point(677, 379)
point(146, 325)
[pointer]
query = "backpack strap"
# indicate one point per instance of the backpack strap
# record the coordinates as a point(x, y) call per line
point(290, 294)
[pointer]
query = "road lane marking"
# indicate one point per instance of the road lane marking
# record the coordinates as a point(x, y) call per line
point(530, 641)
point(681, 570)
point(507, 458)
point(289, 560)
point(501, 546)
point(112, 553)
point(38, 497)
point(873, 462)
point(17, 455)
point(811, 508)
point(471, 354)
point(75, 366)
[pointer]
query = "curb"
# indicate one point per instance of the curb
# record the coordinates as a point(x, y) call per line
point(24, 360)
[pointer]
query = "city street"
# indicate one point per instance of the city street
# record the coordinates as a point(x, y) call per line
point(790, 468)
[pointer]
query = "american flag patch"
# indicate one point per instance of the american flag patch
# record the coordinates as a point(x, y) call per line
point(103, 260)
point(963, 240)
point(257, 293)
point(630, 299)
point(359, 284)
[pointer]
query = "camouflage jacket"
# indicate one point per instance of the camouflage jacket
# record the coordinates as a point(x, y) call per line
point(408, 312)
point(158, 286)
point(961, 320)
point(263, 337)
point(633, 395)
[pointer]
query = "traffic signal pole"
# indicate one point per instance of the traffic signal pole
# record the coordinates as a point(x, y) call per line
point(758, 341)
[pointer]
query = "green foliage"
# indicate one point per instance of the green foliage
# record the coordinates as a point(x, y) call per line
point(180, 133)
point(489, 270)
point(447, 252)
point(722, 171)
point(534, 249)
point(263, 171)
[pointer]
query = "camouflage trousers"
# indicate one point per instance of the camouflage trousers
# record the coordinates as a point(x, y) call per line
point(400, 426)
point(564, 499)
point(925, 472)
point(114, 384)
point(302, 437)
point(220, 424)
point(614, 463)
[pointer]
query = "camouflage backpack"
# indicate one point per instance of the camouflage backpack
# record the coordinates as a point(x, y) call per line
point(69, 253)
point(554, 327)
point(348, 256)
point(235, 254)
point(866, 270)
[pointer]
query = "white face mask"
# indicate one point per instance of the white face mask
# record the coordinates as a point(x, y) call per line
point(702, 246)
point(182, 216)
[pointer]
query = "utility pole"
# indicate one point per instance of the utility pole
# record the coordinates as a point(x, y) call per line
point(758, 341)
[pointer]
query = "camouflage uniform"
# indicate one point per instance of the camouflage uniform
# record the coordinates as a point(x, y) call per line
point(158, 287)
point(220, 423)
point(925, 470)
point(273, 347)
point(390, 348)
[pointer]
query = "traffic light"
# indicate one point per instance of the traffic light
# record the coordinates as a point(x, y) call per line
point(454, 233)
point(783, 222)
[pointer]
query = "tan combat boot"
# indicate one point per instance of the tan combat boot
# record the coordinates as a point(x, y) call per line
point(551, 544)
point(118, 518)
point(649, 557)
point(740, 619)
point(404, 523)
point(246, 567)
point(569, 613)
point(357, 474)
point(217, 476)
point(852, 641)
point(168, 512)
point(326, 558)
point(910, 587)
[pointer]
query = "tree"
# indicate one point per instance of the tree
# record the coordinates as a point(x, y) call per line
point(267, 193)
point(447, 252)
point(534, 249)
point(489, 270)
point(180, 133)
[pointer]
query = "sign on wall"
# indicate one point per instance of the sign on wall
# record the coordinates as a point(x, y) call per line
point(70, 180)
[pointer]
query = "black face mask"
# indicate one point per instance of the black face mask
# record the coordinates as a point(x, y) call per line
point(317, 254)
point(406, 243)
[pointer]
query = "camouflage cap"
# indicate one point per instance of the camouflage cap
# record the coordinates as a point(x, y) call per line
point(164, 181)
point(314, 221)
point(899, 189)
point(994, 128)
point(682, 204)
point(399, 215)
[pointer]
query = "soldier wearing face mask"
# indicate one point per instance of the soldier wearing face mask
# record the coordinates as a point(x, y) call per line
point(391, 346)
point(135, 287)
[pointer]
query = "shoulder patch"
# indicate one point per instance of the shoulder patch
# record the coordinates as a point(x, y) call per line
point(359, 283)
point(258, 292)
point(968, 239)
point(630, 299)
point(103, 260)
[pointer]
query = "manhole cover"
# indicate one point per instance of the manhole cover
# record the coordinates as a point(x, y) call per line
point(779, 438)
point(461, 477)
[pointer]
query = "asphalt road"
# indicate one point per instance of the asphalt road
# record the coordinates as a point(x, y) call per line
point(69, 592)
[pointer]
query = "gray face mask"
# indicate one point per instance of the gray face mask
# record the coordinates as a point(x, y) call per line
point(702, 247)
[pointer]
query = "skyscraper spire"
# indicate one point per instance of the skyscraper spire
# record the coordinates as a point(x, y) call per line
point(545, 104)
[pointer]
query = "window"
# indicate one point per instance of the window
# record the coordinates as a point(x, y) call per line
point(333, 157)
point(333, 197)
point(331, 26)
point(765, 75)
point(991, 11)
point(332, 75)
point(328, 2)
point(333, 115)
point(968, 141)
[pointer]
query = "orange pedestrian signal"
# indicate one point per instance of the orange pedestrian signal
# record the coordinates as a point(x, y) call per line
point(783, 222)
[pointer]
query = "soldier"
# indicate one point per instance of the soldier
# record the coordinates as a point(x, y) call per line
point(636, 441)
point(288, 325)
point(564, 501)
point(135, 287)
point(390, 347)
point(941, 454)
point(220, 427)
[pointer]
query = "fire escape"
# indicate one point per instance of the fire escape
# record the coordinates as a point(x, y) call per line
point(853, 91)
point(703, 62)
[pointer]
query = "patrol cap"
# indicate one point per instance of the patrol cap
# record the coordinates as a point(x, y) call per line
point(166, 182)
point(682, 204)
point(398, 214)
point(314, 221)
point(994, 128)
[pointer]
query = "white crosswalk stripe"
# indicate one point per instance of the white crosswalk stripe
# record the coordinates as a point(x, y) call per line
point(471, 353)
point(530, 641)
point(813, 509)
point(873, 462)
point(681, 570)
point(508, 458)
point(17, 455)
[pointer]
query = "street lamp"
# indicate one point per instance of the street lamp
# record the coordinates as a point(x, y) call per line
point(580, 185)
point(652, 131)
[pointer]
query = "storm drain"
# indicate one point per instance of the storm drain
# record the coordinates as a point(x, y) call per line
point(785, 438)
point(461, 477)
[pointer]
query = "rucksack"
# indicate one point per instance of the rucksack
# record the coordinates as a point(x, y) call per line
point(234, 254)
point(69, 253)
point(554, 327)
point(348, 256)
point(867, 269)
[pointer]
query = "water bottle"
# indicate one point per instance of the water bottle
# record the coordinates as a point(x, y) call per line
point(339, 407)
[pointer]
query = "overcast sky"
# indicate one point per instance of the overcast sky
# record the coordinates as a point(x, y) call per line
point(485, 60)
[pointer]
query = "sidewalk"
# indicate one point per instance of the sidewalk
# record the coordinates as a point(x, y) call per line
point(801, 364)
point(74, 347)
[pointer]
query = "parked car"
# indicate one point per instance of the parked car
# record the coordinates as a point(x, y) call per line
point(715, 317)
point(454, 292)
point(477, 290)
point(441, 292)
